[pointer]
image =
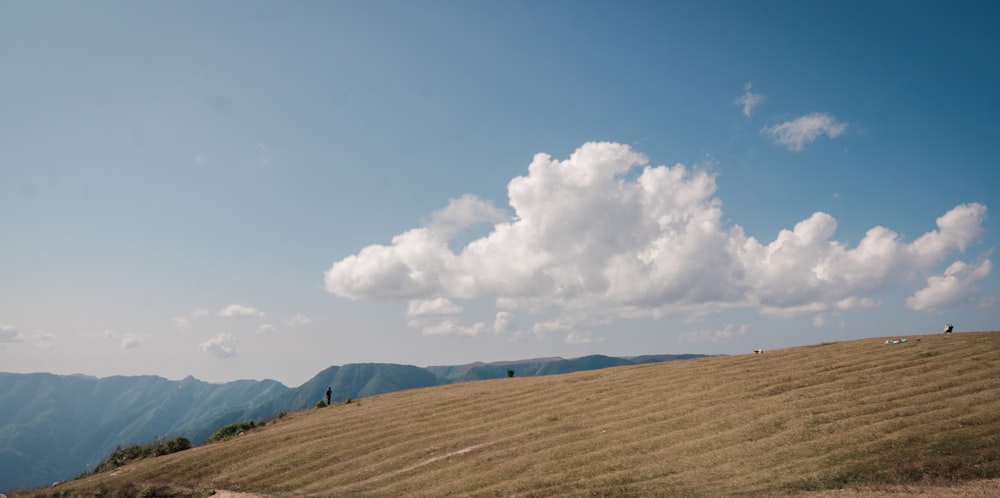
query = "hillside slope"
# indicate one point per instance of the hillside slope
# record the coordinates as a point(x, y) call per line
point(54, 427)
point(803, 418)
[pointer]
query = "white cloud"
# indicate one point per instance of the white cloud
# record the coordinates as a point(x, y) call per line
point(239, 311)
point(43, 339)
point(604, 236)
point(125, 341)
point(185, 322)
point(462, 213)
point(579, 337)
point(503, 322)
point(439, 316)
point(8, 333)
point(222, 346)
point(432, 307)
point(796, 134)
point(265, 327)
point(729, 333)
point(749, 100)
point(957, 283)
point(130, 341)
point(299, 320)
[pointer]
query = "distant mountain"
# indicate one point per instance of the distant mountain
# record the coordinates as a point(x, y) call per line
point(352, 381)
point(544, 366)
point(54, 427)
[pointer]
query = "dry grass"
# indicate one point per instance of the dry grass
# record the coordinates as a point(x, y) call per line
point(881, 420)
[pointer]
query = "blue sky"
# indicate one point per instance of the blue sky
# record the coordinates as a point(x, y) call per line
point(264, 189)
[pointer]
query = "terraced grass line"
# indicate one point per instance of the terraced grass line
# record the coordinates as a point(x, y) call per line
point(796, 420)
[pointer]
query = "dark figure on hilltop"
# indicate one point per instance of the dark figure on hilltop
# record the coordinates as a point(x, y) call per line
point(328, 393)
point(949, 328)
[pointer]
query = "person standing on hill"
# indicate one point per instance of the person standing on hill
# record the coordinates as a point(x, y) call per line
point(328, 393)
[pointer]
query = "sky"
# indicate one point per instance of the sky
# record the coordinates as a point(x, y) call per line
point(263, 189)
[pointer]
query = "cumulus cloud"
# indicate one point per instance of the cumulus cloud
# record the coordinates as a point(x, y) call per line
point(956, 284)
point(239, 311)
point(221, 346)
point(798, 133)
point(8, 333)
point(603, 235)
point(749, 100)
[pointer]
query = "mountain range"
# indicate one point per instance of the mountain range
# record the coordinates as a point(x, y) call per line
point(54, 427)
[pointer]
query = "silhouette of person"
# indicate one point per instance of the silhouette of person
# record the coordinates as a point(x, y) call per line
point(328, 393)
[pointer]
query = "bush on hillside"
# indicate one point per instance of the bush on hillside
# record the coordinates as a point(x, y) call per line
point(231, 430)
point(321, 404)
point(126, 454)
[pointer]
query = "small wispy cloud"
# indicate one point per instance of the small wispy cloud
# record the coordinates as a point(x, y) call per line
point(125, 341)
point(299, 320)
point(798, 133)
point(728, 333)
point(8, 333)
point(264, 153)
point(43, 339)
point(240, 311)
point(439, 316)
point(749, 100)
point(187, 321)
point(130, 341)
point(221, 346)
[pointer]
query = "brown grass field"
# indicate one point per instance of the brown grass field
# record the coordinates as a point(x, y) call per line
point(845, 419)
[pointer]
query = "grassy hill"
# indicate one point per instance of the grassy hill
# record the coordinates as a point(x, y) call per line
point(924, 413)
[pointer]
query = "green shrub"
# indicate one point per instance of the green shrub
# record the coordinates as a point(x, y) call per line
point(151, 492)
point(231, 430)
point(321, 404)
point(125, 454)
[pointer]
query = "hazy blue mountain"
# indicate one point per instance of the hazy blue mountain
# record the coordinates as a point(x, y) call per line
point(53, 427)
point(543, 366)
point(352, 381)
